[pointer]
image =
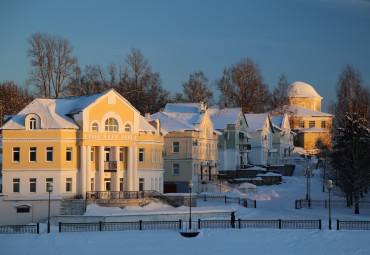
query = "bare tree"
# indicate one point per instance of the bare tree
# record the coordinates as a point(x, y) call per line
point(139, 85)
point(13, 98)
point(242, 86)
point(279, 97)
point(53, 64)
point(196, 89)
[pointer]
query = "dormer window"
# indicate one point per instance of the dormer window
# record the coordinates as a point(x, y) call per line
point(32, 123)
point(111, 125)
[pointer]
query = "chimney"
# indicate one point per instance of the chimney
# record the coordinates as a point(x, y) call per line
point(147, 115)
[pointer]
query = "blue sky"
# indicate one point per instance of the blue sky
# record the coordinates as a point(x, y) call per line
point(309, 41)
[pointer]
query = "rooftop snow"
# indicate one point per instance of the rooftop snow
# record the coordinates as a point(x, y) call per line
point(221, 118)
point(313, 130)
point(256, 121)
point(301, 89)
point(294, 110)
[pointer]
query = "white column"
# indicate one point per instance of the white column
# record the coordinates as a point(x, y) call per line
point(83, 170)
point(100, 181)
point(129, 171)
point(116, 175)
point(88, 168)
point(135, 180)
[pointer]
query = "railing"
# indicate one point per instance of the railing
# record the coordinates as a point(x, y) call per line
point(353, 225)
point(119, 226)
point(110, 166)
point(225, 199)
point(303, 203)
point(20, 229)
point(200, 224)
point(128, 195)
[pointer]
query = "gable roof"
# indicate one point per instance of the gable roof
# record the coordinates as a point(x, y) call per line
point(222, 117)
point(294, 110)
point(54, 113)
point(256, 121)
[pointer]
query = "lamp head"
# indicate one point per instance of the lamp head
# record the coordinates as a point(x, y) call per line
point(330, 185)
point(50, 187)
point(190, 184)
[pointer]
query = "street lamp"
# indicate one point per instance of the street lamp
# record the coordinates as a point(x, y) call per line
point(190, 187)
point(308, 173)
point(50, 189)
point(330, 187)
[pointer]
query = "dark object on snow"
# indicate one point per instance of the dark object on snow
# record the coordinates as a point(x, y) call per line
point(232, 220)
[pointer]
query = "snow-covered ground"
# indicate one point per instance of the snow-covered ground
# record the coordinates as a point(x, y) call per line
point(274, 202)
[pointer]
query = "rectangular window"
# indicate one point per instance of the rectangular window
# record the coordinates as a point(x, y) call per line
point(141, 155)
point(175, 169)
point(176, 147)
point(69, 154)
point(92, 154)
point(141, 184)
point(301, 124)
point(68, 184)
point(311, 123)
point(23, 209)
point(121, 153)
point(49, 154)
point(32, 154)
point(16, 184)
point(16, 154)
point(49, 181)
point(33, 185)
point(323, 124)
point(291, 123)
point(120, 184)
point(92, 187)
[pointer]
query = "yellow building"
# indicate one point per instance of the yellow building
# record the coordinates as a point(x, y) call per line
point(79, 144)
point(306, 118)
point(190, 146)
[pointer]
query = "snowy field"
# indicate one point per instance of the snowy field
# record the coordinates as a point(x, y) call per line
point(274, 202)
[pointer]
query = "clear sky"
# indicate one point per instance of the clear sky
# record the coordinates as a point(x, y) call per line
point(308, 40)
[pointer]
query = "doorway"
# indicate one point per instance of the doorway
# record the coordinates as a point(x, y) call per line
point(107, 182)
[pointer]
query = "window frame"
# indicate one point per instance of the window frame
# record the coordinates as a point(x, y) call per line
point(323, 124)
point(176, 147)
point(16, 152)
point(33, 150)
point(111, 125)
point(32, 123)
point(49, 152)
point(177, 168)
point(311, 123)
point(69, 185)
point(16, 181)
point(141, 155)
point(127, 128)
point(301, 124)
point(69, 150)
point(94, 127)
point(33, 185)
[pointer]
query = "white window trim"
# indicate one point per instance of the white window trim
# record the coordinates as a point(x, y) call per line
point(19, 152)
point(143, 152)
point(71, 154)
point(29, 155)
point(46, 154)
point(173, 170)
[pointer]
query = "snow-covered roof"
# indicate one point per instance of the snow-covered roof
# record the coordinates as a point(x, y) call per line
point(256, 121)
point(301, 89)
point(145, 126)
point(222, 117)
point(277, 121)
point(183, 107)
point(313, 130)
point(171, 123)
point(294, 110)
point(54, 113)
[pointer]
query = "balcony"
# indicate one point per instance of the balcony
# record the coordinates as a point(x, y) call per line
point(110, 166)
point(245, 147)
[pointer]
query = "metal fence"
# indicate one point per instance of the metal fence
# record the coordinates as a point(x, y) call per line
point(303, 203)
point(225, 199)
point(20, 229)
point(200, 224)
point(353, 225)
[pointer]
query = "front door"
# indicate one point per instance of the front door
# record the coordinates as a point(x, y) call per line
point(106, 154)
point(107, 184)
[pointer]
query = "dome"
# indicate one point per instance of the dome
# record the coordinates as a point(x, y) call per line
point(301, 89)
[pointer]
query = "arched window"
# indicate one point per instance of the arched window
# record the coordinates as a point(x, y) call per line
point(94, 127)
point(128, 128)
point(111, 125)
point(32, 123)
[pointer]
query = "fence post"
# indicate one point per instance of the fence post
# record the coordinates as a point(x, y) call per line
point(255, 204)
point(38, 228)
point(60, 226)
point(320, 224)
point(279, 223)
point(225, 199)
point(198, 223)
point(140, 225)
point(240, 223)
point(180, 223)
point(337, 224)
point(100, 226)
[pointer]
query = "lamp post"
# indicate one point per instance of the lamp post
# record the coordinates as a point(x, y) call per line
point(330, 187)
point(190, 187)
point(50, 189)
point(308, 173)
